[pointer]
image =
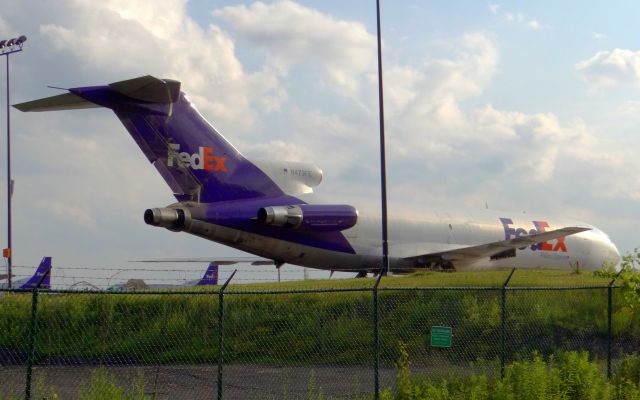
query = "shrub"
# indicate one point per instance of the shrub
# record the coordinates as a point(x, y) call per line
point(103, 386)
point(569, 376)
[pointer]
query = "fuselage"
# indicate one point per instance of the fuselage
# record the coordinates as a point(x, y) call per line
point(430, 233)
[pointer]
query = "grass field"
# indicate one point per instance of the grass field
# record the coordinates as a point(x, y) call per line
point(527, 278)
point(325, 327)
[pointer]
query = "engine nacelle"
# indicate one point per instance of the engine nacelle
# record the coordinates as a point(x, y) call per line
point(310, 217)
point(174, 219)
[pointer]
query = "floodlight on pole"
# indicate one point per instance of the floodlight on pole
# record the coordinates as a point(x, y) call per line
point(7, 47)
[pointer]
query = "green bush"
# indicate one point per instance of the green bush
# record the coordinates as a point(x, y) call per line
point(103, 386)
point(568, 376)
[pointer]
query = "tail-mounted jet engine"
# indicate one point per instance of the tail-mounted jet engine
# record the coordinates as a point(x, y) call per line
point(304, 217)
point(310, 217)
point(173, 219)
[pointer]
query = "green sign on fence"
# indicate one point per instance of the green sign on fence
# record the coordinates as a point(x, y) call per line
point(441, 336)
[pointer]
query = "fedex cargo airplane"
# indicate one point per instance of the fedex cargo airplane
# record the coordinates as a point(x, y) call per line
point(41, 278)
point(210, 278)
point(268, 208)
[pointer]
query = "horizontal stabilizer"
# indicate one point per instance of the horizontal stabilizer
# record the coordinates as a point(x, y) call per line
point(145, 88)
point(214, 260)
point(66, 101)
point(148, 88)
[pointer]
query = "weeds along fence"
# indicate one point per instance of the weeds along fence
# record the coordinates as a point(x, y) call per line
point(235, 343)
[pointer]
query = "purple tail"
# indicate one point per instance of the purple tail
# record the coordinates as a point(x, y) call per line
point(211, 276)
point(42, 277)
point(195, 160)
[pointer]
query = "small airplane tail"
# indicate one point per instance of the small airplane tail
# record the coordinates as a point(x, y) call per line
point(41, 279)
point(210, 277)
point(195, 160)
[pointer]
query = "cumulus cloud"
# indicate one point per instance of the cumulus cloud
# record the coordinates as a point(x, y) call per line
point(170, 44)
point(505, 156)
point(294, 34)
point(429, 96)
point(610, 68)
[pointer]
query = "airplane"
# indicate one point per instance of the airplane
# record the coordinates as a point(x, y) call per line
point(41, 276)
point(269, 208)
point(210, 278)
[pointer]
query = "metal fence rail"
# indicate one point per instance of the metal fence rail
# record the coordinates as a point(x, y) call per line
point(330, 343)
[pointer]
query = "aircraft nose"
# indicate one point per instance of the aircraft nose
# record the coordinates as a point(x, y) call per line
point(613, 255)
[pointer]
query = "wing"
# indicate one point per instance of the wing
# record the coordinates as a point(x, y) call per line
point(472, 253)
point(216, 260)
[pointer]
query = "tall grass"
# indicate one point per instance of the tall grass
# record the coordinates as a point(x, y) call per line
point(316, 328)
point(567, 376)
point(103, 386)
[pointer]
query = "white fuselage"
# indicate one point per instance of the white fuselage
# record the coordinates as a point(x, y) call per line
point(428, 234)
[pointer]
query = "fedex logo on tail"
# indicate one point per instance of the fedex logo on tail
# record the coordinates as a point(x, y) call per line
point(203, 159)
point(539, 227)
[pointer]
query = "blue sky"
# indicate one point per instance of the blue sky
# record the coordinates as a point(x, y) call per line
point(519, 105)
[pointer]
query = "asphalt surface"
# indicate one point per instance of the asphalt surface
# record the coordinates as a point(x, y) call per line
point(244, 381)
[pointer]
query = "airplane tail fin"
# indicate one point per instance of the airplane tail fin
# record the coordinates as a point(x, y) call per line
point(210, 277)
point(41, 279)
point(195, 160)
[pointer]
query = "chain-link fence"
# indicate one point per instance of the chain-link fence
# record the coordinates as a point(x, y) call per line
point(331, 343)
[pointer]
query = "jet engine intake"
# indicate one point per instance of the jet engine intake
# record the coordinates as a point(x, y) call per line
point(310, 217)
point(173, 219)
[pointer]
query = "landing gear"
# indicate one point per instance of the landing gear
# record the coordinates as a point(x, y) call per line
point(439, 265)
point(447, 266)
point(278, 265)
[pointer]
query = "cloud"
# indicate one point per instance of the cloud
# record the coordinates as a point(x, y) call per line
point(610, 68)
point(429, 96)
point(5, 27)
point(487, 153)
point(170, 44)
point(598, 35)
point(517, 18)
point(295, 34)
point(514, 17)
point(533, 24)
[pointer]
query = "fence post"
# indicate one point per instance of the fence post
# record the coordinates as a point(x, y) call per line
point(609, 318)
point(221, 332)
point(33, 331)
point(503, 318)
point(376, 337)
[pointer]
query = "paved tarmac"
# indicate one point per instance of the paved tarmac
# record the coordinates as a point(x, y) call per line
point(245, 381)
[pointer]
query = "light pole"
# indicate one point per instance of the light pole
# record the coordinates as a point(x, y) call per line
point(7, 47)
point(383, 158)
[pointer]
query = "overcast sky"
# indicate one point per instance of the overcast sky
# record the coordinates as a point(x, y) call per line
point(516, 106)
